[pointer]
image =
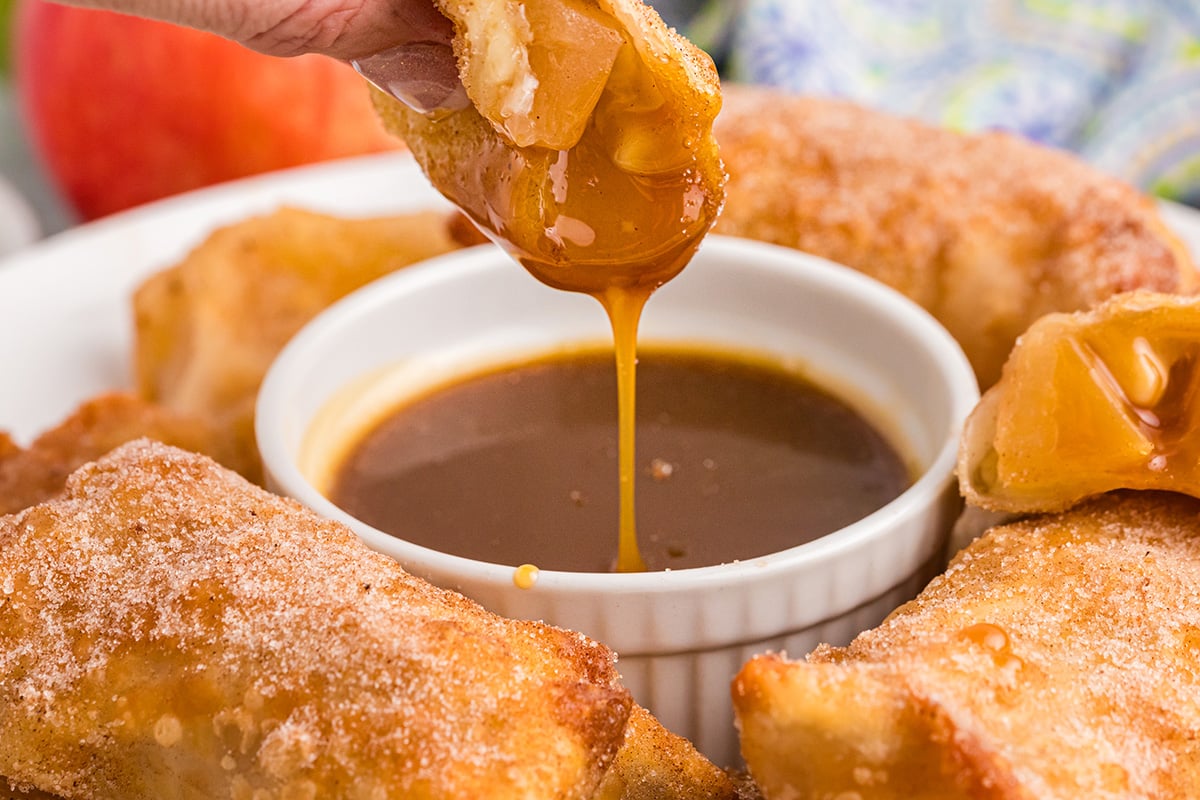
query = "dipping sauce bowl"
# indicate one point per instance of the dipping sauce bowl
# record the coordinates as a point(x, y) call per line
point(681, 635)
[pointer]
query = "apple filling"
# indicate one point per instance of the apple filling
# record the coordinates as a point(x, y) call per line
point(1090, 402)
point(588, 151)
point(536, 70)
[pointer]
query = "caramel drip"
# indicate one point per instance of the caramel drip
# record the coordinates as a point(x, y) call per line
point(604, 182)
point(986, 635)
point(613, 227)
point(994, 640)
point(616, 249)
point(624, 309)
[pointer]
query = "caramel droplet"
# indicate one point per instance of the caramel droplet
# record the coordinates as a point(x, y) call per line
point(525, 576)
point(986, 635)
point(993, 639)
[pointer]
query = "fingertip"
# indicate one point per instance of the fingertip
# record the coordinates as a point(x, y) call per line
point(422, 75)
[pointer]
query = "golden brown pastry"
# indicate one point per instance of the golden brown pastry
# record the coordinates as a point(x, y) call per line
point(198, 637)
point(169, 630)
point(651, 764)
point(1057, 657)
point(29, 476)
point(588, 147)
point(9, 793)
point(655, 764)
point(1088, 402)
point(986, 231)
point(208, 328)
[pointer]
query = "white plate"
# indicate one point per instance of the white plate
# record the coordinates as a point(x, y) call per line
point(18, 225)
point(65, 320)
point(65, 327)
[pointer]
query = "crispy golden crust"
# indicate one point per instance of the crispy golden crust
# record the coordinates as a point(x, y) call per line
point(987, 231)
point(167, 629)
point(29, 476)
point(208, 328)
point(9, 793)
point(652, 764)
point(1057, 657)
point(655, 764)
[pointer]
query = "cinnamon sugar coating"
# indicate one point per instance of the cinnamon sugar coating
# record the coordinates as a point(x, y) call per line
point(655, 764)
point(37, 473)
point(986, 231)
point(1057, 657)
point(167, 627)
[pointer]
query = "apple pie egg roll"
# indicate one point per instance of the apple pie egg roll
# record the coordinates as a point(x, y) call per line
point(168, 630)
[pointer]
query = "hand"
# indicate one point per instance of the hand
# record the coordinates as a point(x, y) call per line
point(402, 46)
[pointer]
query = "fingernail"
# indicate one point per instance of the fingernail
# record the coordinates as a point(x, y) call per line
point(422, 75)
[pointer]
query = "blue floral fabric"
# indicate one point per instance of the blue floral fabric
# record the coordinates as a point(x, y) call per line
point(1117, 81)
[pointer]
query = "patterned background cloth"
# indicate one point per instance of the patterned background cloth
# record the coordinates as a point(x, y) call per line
point(1117, 81)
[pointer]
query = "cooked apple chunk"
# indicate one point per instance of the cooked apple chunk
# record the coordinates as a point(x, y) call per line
point(536, 70)
point(1090, 402)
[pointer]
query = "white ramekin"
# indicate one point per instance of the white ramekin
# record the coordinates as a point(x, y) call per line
point(680, 635)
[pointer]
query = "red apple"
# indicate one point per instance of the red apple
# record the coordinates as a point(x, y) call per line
point(125, 110)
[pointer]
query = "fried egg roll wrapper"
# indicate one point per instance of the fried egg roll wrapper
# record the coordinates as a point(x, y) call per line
point(655, 764)
point(9, 793)
point(37, 473)
point(986, 231)
point(1057, 657)
point(652, 764)
point(168, 630)
point(208, 327)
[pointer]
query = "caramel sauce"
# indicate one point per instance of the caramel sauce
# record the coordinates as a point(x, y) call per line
point(740, 457)
point(986, 635)
point(615, 216)
point(994, 640)
point(587, 153)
